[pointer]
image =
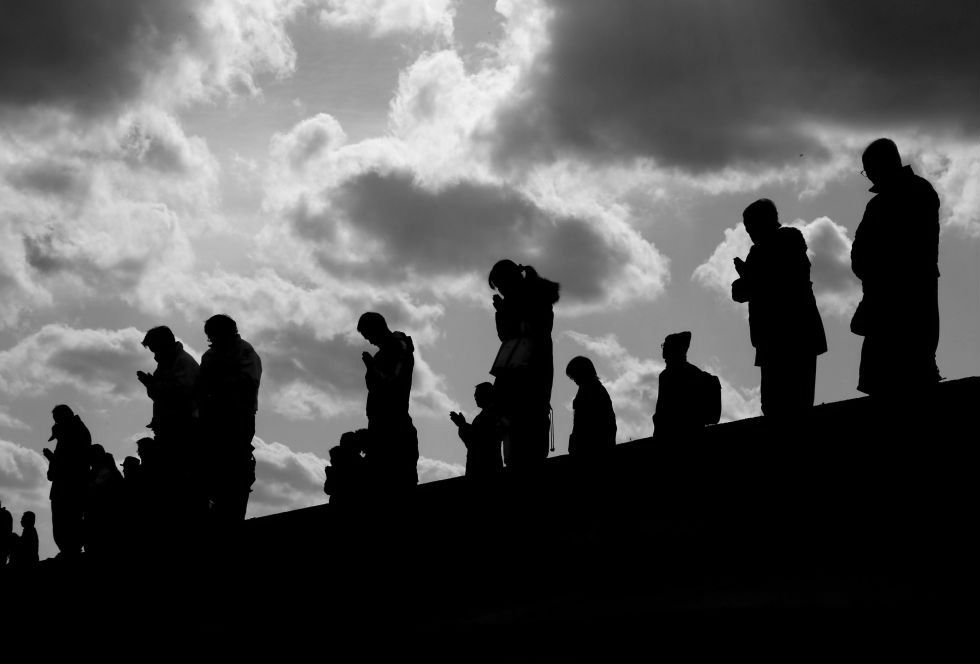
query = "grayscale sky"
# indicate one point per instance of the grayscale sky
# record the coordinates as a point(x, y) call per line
point(293, 163)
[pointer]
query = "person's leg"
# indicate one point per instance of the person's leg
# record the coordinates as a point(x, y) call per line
point(801, 382)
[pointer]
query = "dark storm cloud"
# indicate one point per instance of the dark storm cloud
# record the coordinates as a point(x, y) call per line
point(97, 362)
point(50, 257)
point(50, 178)
point(88, 56)
point(466, 227)
point(703, 84)
point(295, 354)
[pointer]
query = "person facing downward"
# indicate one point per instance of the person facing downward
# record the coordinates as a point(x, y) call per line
point(68, 469)
point(784, 324)
point(170, 386)
point(895, 254)
point(393, 449)
point(523, 368)
point(483, 436)
point(593, 422)
point(227, 392)
point(688, 398)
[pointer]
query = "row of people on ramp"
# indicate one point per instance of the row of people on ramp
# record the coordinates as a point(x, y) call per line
point(898, 316)
point(215, 403)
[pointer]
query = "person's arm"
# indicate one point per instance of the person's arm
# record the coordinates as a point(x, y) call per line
point(742, 288)
point(463, 428)
point(860, 258)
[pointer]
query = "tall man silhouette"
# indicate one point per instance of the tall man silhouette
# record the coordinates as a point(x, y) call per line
point(68, 470)
point(393, 449)
point(170, 386)
point(895, 254)
point(784, 323)
point(227, 391)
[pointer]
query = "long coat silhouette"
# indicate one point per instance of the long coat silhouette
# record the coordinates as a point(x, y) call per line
point(68, 471)
point(784, 322)
point(895, 254)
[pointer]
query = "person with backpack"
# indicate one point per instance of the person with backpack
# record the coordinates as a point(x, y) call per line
point(689, 398)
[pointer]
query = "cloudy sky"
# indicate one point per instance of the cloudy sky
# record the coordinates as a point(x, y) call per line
point(294, 163)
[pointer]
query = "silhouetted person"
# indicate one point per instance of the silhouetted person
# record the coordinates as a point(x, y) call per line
point(103, 505)
point(524, 366)
point(895, 254)
point(228, 390)
point(784, 323)
point(483, 436)
point(24, 553)
point(394, 446)
point(593, 421)
point(688, 398)
point(131, 469)
point(6, 535)
point(171, 386)
point(68, 469)
point(346, 476)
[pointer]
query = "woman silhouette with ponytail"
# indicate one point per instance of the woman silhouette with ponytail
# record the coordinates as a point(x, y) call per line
point(524, 366)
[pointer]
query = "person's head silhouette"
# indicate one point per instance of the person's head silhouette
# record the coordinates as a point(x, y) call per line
point(62, 414)
point(483, 395)
point(881, 161)
point(220, 329)
point(760, 219)
point(373, 327)
point(161, 342)
point(130, 466)
point(581, 370)
point(27, 519)
point(505, 277)
point(675, 347)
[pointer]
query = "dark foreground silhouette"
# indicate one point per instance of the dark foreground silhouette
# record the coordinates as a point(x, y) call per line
point(784, 323)
point(856, 509)
point(896, 256)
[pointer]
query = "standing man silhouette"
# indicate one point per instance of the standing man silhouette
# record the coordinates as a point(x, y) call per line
point(170, 386)
point(895, 254)
point(784, 323)
point(227, 392)
point(68, 469)
point(393, 448)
